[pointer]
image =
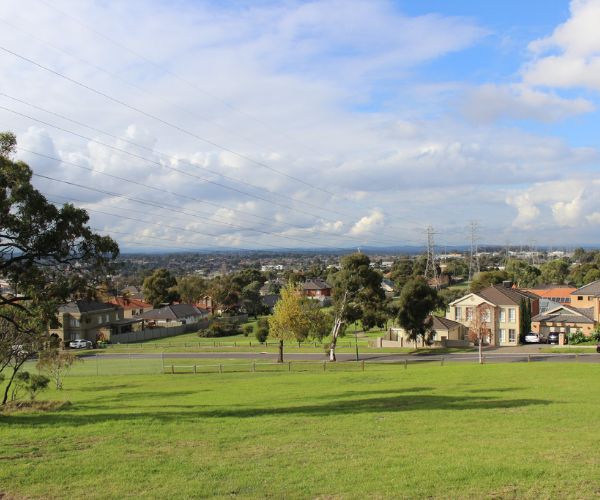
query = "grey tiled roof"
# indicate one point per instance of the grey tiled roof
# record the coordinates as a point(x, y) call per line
point(567, 315)
point(501, 295)
point(444, 323)
point(83, 306)
point(592, 288)
point(174, 311)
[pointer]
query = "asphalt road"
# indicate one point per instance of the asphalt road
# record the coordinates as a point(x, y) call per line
point(491, 357)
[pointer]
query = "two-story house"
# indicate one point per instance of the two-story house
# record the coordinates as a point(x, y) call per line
point(581, 314)
point(86, 319)
point(316, 288)
point(498, 308)
point(131, 307)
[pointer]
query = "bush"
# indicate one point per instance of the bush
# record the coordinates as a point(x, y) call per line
point(32, 384)
point(577, 338)
point(248, 329)
point(220, 329)
point(596, 335)
point(262, 330)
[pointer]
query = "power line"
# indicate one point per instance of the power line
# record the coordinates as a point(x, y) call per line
point(163, 121)
point(141, 146)
point(161, 165)
point(169, 208)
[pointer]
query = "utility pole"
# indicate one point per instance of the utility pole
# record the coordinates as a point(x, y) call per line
point(474, 258)
point(431, 273)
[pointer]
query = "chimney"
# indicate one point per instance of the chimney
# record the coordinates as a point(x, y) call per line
point(507, 284)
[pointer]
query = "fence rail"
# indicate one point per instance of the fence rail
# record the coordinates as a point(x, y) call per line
point(233, 343)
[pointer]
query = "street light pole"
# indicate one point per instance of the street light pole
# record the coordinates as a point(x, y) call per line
point(356, 341)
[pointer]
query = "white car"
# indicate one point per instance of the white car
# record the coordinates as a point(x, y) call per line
point(532, 338)
point(80, 344)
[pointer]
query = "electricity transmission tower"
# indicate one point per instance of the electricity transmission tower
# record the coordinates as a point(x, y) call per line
point(431, 274)
point(474, 257)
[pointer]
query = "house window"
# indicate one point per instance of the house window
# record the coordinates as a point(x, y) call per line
point(511, 315)
point(99, 319)
point(74, 322)
point(458, 313)
point(502, 334)
point(486, 316)
point(469, 312)
point(107, 318)
point(502, 315)
point(579, 297)
point(512, 335)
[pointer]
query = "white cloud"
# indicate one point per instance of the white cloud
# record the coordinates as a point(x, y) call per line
point(368, 223)
point(490, 102)
point(570, 57)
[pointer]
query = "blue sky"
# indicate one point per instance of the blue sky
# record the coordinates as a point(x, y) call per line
point(331, 122)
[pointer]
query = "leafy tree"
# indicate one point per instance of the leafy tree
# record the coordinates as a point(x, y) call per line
point(525, 318)
point(49, 254)
point(457, 268)
point(191, 289)
point(522, 274)
point(245, 277)
point(487, 278)
point(356, 291)
point(591, 275)
point(402, 271)
point(224, 293)
point(56, 363)
point(160, 288)
point(251, 299)
point(555, 272)
point(296, 318)
point(416, 302)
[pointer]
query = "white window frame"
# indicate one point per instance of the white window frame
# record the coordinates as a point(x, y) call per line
point(502, 334)
point(469, 313)
point(512, 315)
point(513, 337)
point(458, 313)
point(502, 318)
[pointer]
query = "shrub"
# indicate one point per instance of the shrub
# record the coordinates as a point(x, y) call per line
point(32, 384)
point(577, 338)
point(247, 329)
point(220, 329)
point(596, 335)
point(262, 330)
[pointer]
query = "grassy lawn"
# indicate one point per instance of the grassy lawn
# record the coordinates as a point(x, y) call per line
point(459, 431)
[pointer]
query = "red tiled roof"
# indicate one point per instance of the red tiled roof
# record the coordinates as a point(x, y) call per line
point(130, 303)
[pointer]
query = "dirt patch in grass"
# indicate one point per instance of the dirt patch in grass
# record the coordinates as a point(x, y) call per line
point(33, 406)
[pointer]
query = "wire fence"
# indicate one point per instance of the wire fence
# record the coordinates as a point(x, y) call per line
point(163, 363)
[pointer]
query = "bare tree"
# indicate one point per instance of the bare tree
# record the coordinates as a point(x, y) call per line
point(480, 327)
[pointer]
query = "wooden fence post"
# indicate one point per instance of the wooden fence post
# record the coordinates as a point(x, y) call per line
point(289, 366)
point(405, 364)
point(324, 365)
point(220, 368)
point(172, 369)
point(253, 366)
point(195, 369)
point(363, 365)
point(442, 361)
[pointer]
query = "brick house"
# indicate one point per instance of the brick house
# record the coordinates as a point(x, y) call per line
point(500, 306)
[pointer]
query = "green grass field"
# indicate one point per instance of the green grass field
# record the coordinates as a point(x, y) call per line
point(459, 431)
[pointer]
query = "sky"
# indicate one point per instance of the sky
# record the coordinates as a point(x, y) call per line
point(329, 123)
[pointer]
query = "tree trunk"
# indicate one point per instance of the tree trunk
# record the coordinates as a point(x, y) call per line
point(280, 358)
point(481, 350)
point(334, 336)
point(10, 381)
point(337, 326)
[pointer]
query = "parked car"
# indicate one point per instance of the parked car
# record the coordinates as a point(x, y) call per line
point(80, 344)
point(553, 338)
point(532, 338)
